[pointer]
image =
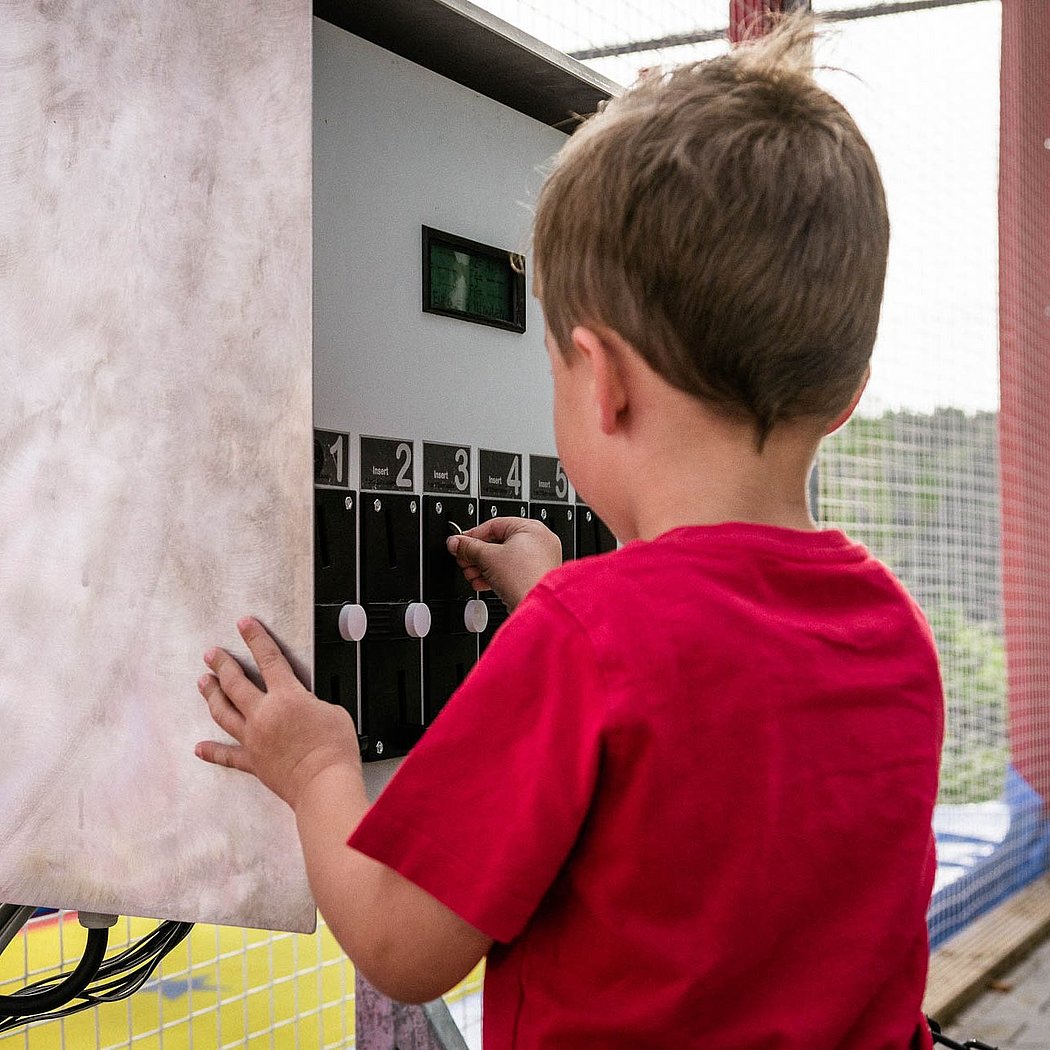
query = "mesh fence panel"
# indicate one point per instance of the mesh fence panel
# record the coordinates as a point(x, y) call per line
point(921, 489)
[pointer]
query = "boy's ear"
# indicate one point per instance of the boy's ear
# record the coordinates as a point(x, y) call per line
point(603, 352)
point(844, 415)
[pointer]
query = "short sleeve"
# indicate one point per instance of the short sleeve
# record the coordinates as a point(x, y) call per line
point(485, 809)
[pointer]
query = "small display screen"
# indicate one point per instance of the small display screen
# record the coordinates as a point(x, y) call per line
point(472, 281)
point(469, 284)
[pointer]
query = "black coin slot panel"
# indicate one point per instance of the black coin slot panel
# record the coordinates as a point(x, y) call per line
point(335, 546)
point(450, 650)
point(335, 584)
point(447, 660)
point(335, 666)
point(391, 696)
point(389, 547)
point(442, 577)
point(391, 663)
point(498, 508)
point(558, 517)
point(593, 536)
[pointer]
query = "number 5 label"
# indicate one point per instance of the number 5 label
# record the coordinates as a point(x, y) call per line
point(548, 482)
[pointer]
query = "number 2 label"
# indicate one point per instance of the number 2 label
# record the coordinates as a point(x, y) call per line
point(403, 454)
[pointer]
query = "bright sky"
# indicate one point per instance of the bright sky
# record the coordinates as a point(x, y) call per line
point(924, 88)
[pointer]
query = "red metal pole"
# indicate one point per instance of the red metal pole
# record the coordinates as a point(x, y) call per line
point(752, 18)
point(1024, 356)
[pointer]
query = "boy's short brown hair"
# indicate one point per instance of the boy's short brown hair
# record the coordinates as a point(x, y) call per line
point(729, 221)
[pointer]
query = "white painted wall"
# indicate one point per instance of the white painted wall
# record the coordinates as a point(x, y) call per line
point(397, 147)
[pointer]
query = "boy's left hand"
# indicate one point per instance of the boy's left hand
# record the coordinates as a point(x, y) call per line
point(284, 735)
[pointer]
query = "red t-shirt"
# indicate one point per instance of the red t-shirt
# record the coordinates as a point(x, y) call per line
point(688, 792)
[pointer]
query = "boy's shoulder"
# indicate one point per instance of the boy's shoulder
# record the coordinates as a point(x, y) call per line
point(700, 547)
point(708, 571)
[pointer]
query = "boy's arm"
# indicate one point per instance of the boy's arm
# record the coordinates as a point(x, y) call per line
point(406, 942)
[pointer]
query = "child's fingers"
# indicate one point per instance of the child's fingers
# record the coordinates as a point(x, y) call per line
point(471, 556)
point(495, 530)
point(475, 577)
point(231, 756)
point(235, 684)
point(223, 713)
point(272, 664)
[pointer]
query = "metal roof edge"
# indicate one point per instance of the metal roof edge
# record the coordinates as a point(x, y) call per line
point(461, 41)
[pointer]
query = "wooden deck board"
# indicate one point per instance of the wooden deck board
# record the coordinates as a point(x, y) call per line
point(962, 968)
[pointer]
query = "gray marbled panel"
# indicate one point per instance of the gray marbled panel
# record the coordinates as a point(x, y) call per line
point(155, 441)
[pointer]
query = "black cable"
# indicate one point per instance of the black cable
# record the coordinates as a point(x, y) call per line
point(8, 912)
point(29, 1001)
point(113, 979)
point(940, 1039)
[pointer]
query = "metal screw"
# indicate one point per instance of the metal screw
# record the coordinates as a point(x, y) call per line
point(588, 515)
point(379, 747)
point(349, 503)
point(543, 514)
point(438, 508)
point(523, 512)
point(492, 511)
point(412, 506)
point(378, 506)
point(570, 515)
point(470, 508)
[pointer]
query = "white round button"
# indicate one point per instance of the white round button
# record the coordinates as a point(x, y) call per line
point(476, 616)
point(417, 620)
point(353, 622)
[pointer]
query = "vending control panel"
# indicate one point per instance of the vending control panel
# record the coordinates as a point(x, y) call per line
point(398, 628)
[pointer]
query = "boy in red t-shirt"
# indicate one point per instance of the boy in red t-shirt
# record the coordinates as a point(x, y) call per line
point(685, 798)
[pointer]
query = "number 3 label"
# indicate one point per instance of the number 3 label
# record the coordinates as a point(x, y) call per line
point(462, 475)
point(446, 468)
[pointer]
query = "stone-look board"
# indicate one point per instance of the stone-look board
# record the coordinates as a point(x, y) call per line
point(155, 442)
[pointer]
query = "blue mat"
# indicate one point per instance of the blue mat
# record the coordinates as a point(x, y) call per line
point(986, 852)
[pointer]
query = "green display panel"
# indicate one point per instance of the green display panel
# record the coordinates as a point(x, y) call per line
point(473, 282)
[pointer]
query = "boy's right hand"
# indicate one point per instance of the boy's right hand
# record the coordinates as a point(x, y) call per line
point(506, 555)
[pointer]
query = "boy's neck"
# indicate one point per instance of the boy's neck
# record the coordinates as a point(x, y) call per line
point(713, 473)
point(711, 501)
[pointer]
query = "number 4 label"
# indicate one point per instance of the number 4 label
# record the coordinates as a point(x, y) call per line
point(500, 475)
point(514, 477)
